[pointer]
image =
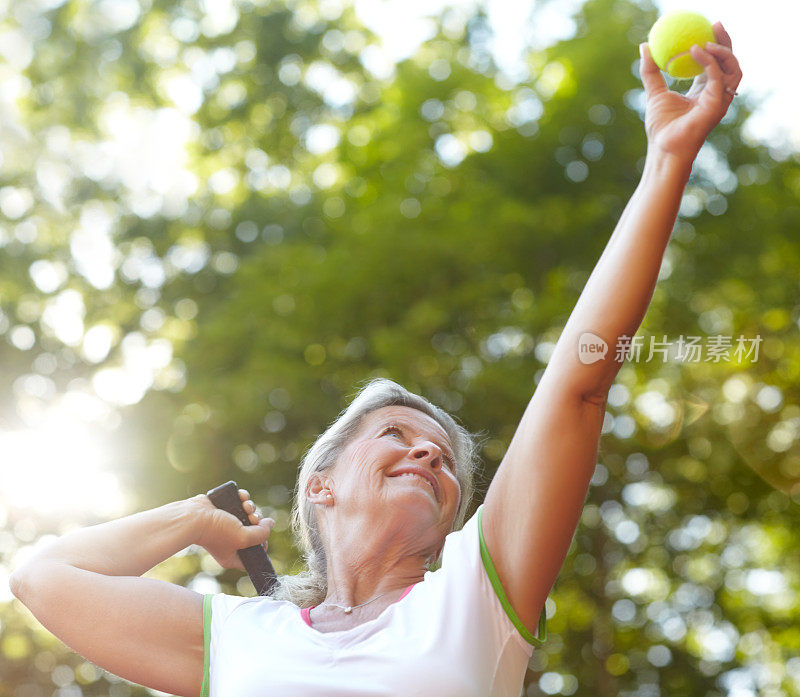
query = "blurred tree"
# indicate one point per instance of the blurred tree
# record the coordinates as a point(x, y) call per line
point(435, 227)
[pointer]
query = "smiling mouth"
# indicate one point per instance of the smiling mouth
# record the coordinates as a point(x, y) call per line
point(420, 478)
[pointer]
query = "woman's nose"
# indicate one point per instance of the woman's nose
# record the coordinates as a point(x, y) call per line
point(428, 451)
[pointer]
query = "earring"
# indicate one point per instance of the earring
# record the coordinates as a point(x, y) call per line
point(328, 496)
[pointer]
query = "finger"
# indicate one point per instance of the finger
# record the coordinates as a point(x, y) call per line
point(722, 36)
point(713, 97)
point(725, 57)
point(714, 87)
point(652, 79)
point(255, 534)
point(243, 494)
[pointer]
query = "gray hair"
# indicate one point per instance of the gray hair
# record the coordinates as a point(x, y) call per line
point(310, 587)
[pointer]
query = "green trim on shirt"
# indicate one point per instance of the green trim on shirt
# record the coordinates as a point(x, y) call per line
point(207, 640)
point(501, 594)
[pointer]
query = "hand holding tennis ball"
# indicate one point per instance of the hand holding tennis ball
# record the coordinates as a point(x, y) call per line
point(677, 124)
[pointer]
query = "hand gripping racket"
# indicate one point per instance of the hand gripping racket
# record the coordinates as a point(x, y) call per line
point(255, 559)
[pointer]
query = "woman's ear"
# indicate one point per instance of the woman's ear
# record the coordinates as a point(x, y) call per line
point(319, 489)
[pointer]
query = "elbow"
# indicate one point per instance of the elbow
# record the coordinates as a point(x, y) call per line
point(597, 397)
point(21, 580)
point(16, 583)
point(597, 390)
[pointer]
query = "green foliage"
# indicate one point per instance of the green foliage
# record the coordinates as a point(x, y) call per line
point(443, 243)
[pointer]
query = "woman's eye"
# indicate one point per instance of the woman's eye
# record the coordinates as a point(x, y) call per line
point(394, 429)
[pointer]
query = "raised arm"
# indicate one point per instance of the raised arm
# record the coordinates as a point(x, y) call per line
point(534, 502)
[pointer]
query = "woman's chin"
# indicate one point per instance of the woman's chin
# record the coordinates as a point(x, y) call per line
point(417, 504)
point(416, 491)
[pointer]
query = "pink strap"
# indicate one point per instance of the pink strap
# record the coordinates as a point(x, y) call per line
point(405, 592)
point(305, 612)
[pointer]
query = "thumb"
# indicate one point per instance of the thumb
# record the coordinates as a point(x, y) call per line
point(253, 536)
point(261, 531)
point(652, 79)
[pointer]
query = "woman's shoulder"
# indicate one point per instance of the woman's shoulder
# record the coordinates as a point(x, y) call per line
point(460, 546)
point(224, 604)
point(465, 536)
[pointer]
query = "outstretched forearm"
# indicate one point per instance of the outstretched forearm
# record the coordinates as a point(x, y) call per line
point(616, 296)
point(128, 546)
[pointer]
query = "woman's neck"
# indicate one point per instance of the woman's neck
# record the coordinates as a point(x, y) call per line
point(362, 565)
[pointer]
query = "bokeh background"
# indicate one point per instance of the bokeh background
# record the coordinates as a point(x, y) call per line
point(218, 217)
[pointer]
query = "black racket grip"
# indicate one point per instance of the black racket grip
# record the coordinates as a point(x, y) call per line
point(255, 559)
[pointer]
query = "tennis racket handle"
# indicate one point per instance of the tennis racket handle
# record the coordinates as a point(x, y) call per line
point(255, 559)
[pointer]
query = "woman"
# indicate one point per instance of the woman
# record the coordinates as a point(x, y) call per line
point(381, 495)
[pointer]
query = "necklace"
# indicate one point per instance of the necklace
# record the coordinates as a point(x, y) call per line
point(349, 608)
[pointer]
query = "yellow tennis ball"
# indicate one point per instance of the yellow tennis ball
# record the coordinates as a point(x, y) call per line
point(673, 35)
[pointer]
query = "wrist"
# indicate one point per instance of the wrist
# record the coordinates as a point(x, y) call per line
point(667, 167)
point(196, 511)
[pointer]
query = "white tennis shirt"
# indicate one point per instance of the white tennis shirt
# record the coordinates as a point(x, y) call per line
point(453, 634)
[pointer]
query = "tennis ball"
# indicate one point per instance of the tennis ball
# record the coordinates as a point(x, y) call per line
point(673, 35)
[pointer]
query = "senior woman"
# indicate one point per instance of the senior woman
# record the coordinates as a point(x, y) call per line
point(380, 498)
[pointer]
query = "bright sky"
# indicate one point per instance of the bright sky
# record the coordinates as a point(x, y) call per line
point(762, 35)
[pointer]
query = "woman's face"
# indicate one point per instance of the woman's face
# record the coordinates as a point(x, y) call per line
point(400, 462)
